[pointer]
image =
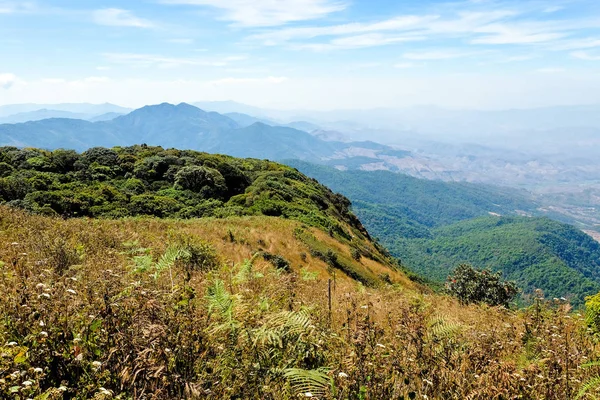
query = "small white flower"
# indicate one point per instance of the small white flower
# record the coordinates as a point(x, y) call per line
point(27, 383)
point(343, 375)
point(71, 291)
point(364, 307)
point(77, 340)
point(563, 299)
point(73, 279)
point(308, 394)
point(38, 370)
point(14, 244)
point(44, 295)
point(96, 364)
point(62, 388)
point(427, 381)
point(12, 344)
point(380, 345)
point(42, 323)
point(23, 254)
point(44, 334)
point(40, 286)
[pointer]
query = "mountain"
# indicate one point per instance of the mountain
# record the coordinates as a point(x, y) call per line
point(244, 120)
point(433, 226)
point(105, 117)
point(39, 115)
point(186, 126)
point(76, 108)
point(535, 252)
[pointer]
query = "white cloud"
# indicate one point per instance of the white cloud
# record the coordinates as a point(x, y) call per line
point(553, 9)
point(120, 17)
point(551, 70)
point(405, 65)
point(268, 12)
point(238, 81)
point(404, 23)
point(7, 80)
point(152, 60)
point(11, 7)
point(582, 55)
point(437, 55)
point(181, 41)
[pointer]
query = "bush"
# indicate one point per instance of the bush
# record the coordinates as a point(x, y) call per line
point(470, 285)
point(278, 261)
point(592, 313)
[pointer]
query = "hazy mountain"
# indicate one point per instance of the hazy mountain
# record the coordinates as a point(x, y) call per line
point(105, 117)
point(182, 126)
point(39, 115)
point(244, 120)
point(77, 108)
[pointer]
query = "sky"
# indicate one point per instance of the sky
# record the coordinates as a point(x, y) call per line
point(302, 54)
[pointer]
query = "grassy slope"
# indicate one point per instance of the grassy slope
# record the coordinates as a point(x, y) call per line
point(78, 305)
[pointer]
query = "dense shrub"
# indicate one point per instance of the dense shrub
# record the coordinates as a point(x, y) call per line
point(470, 285)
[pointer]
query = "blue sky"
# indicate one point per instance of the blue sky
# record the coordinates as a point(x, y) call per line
point(313, 54)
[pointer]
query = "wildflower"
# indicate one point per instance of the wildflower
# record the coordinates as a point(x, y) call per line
point(44, 295)
point(14, 244)
point(44, 334)
point(343, 375)
point(27, 383)
point(563, 299)
point(308, 394)
point(96, 364)
point(105, 391)
point(62, 388)
point(40, 286)
point(364, 307)
point(38, 370)
point(71, 291)
point(42, 323)
point(12, 344)
point(76, 340)
point(380, 345)
point(23, 254)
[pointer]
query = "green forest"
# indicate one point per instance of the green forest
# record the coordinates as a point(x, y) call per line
point(434, 226)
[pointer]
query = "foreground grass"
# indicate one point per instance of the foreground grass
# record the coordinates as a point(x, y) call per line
point(152, 309)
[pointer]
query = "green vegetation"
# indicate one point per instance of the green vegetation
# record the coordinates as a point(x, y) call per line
point(147, 308)
point(473, 286)
point(433, 227)
point(537, 253)
point(144, 180)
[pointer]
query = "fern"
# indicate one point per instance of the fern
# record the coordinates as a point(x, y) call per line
point(317, 382)
point(440, 329)
point(591, 384)
point(286, 325)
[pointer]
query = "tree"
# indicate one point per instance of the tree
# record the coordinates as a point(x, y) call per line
point(480, 286)
point(206, 181)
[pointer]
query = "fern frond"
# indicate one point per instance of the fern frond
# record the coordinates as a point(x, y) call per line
point(220, 300)
point(589, 385)
point(302, 381)
point(440, 329)
point(591, 364)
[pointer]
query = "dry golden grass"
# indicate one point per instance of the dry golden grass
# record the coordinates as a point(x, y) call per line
point(97, 309)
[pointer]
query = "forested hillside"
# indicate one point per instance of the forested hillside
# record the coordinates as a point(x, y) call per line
point(430, 226)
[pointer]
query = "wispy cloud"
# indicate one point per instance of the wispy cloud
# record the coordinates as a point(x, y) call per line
point(7, 80)
point(583, 55)
point(120, 17)
point(438, 55)
point(404, 65)
point(251, 13)
point(153, 60)
point(11, 7)
point(237, 81)
point(550, 70)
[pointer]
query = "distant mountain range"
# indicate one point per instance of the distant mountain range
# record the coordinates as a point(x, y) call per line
point(186, 126)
